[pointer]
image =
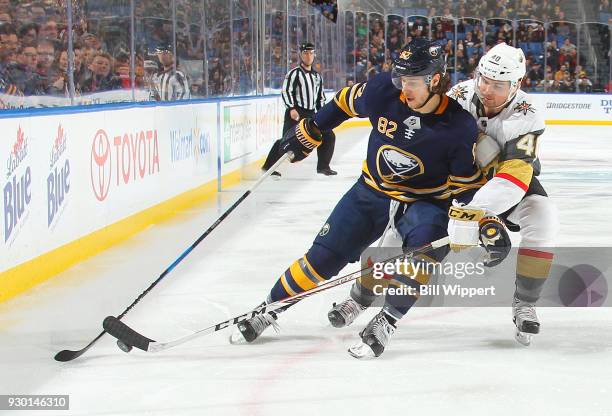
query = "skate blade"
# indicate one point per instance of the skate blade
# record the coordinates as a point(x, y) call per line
point(361, 351)
point(335, 323)
point(523, 338)
point(236, 338)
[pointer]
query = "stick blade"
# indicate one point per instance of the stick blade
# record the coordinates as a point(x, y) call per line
point(68, 355)
point(125, 334)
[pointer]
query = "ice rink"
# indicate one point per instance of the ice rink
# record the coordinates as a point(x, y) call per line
point(459, 361)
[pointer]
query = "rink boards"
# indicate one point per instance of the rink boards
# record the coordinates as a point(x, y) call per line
point(77, 182)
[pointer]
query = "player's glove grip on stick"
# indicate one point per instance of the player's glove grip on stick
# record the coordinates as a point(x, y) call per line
point(463, 228)
point(301, 139)
point(468, 226)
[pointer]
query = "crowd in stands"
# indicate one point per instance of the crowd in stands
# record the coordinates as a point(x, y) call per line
point(329, 9)
point(216, 47)
point(551, 54)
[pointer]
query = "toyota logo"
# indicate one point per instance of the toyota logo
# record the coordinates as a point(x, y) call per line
point(100, 165)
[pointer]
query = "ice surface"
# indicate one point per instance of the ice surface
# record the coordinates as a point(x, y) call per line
point(460, 361)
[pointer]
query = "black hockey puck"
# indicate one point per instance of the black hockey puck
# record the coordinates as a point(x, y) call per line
point(123, 346)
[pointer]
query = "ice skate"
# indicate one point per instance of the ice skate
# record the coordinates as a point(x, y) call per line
point(374, 337)
point(344, 313)
point(526, 321)
point(249, 330)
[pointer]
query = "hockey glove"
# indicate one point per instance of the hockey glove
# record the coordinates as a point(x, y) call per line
point(495, 240)
point(301, 139)
point(468, 226)
point(463, 229)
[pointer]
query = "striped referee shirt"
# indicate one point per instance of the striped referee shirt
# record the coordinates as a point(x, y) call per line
point(173, 86)
point(303, 89)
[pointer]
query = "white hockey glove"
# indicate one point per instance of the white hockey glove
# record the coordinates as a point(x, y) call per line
point(463, 228)
point(468, 226)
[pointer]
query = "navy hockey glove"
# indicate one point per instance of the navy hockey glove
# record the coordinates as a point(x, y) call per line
point(495, 240)
point(301, 139)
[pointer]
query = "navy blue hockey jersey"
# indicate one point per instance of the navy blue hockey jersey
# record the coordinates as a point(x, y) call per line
point(411, 155)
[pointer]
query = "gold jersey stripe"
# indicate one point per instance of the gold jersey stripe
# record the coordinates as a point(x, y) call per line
point(286, 286)
point(465, 179)
point(533, 267)
point(351, 98)
point(299, 277)
point(340, 100)
point(518, 169)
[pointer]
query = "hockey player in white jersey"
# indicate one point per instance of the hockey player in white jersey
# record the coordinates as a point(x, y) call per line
point(506, 152)
point(510, 126)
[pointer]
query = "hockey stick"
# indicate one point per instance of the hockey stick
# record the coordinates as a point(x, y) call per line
point(68, 355)
point(128, 338)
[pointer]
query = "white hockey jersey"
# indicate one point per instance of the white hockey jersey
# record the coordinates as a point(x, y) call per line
point(510, 159)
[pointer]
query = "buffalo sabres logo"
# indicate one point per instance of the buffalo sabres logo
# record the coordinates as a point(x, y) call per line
point(405, 54)
point(524, 107)
point(459, 92)
point(395, 165)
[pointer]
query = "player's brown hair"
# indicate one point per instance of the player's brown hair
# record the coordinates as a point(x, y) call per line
point(443, 86)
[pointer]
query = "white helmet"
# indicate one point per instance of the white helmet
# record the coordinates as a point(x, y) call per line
point(503, 63)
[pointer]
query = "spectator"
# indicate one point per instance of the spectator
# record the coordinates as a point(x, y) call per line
point(46, 57)
point(28, 34)
point(87, 55)
point(49, 30)
point(549, 82)
point(5, 18)
point(534, 76)
point(552, 54)
point(9, 43)
point(122, 68)
point(560, 75)
point(23, 75)
point(151, 68)
point(584, 83)
point(471, 66)
point(59, 85)
point(37, 13)
point(90, 41)
point(567, 53)
point(567, 84)
point(22, 15)
point(81, 71)
point(101, 78)
point(46, 53)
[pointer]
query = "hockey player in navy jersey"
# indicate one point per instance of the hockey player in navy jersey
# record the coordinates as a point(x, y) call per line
point(420, 156)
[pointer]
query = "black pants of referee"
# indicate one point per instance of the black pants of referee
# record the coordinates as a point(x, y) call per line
point(324, 152)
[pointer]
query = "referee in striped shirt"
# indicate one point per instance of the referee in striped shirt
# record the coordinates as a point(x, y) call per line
point(170, 84)
point(303, 95)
